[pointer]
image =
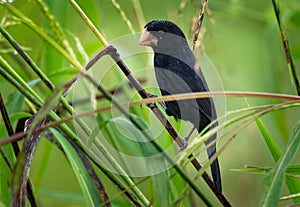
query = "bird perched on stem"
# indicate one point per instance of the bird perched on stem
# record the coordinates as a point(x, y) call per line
point(175, 66)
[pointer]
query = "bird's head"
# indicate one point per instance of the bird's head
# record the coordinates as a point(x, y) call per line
point(162, 34)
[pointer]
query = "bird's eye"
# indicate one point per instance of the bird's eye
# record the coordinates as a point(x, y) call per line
point(160, 31)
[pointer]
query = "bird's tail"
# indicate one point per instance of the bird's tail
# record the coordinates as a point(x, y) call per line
point(215, 168)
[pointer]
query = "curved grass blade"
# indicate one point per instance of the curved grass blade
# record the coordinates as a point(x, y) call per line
point(24, 162)
point(273, 147)
point(274, 179)
point(89, 190)
point(121, 128)
point(292, 183)
point(160, 181)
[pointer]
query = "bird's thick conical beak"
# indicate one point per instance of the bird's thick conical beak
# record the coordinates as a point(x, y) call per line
point(148, 39)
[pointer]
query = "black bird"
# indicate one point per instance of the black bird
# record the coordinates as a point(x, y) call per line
point(175, 65)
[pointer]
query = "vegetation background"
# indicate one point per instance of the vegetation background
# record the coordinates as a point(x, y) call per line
point(241, 38)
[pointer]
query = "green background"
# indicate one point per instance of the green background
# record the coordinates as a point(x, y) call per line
point(243, 41)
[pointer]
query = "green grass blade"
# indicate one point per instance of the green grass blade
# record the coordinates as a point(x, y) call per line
point(15, 102)
point(160, 188)
point(288, 55)
point(16, 179)
point(5, 170)
point(273, 147)
point(292, 183)
point(160, 181)
point(89, 190)
point(41, 33)
point(292, 170)
point(89, 23)
point(293, 196)
point(120, 128)
point(2, 204)
point(10, 74)
point(274, 179)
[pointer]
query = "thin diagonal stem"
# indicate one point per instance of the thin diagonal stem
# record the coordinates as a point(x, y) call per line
point(181, 143)
point(199, 22)
point(89, 23)
point(288, 56)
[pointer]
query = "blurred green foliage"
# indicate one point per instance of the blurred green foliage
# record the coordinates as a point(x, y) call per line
point(241, 39)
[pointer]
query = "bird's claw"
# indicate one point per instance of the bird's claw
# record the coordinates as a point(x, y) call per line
point(186, 139)
point(183, 146)
point(151, 105)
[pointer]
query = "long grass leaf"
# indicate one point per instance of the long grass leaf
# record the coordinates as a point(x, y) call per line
point(94, 29)
point(160, 181)
point(5, 170)
point(28, 22)
point(160, 187)
point(292, 170)
point(89, 190)
point(292, 183)
point(16, 180)
point(273, 147)
point(274, 179)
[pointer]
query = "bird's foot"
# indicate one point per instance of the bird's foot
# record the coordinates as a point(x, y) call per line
point(151, 105)
point(187, 138)
point(183, 145)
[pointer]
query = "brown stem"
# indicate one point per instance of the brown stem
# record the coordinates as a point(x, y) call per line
point(16, 150)
point(116, 57)
point(199, 22)
point(288, 57)
point(195, 162)
point(181, 143)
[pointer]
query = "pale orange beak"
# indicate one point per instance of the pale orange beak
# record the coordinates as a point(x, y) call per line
point(148, 39)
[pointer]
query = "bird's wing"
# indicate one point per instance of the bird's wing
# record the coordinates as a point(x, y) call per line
point(196, 83)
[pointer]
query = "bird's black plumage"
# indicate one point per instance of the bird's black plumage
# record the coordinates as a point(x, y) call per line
point(175, 65)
